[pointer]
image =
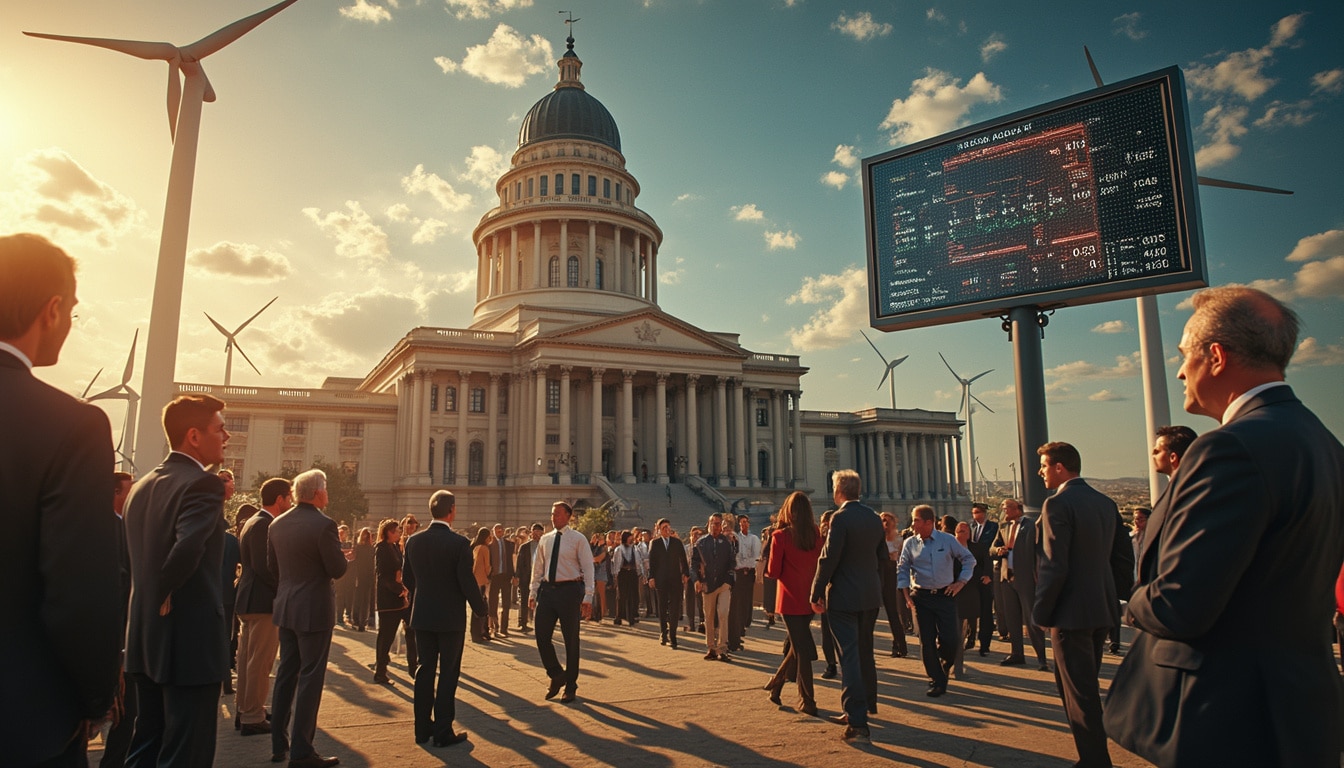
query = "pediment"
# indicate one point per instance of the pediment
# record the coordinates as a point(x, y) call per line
point(644, 330)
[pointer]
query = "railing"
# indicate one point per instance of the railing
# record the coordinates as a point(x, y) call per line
point(612, 495)
point(707, 492)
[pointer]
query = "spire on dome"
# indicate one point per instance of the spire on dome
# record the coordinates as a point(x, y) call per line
point(569, 63)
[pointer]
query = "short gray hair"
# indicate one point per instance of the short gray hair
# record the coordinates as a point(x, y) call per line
point(923, 512)
point(308, 484)
point(846, 483)
point(1257, 329)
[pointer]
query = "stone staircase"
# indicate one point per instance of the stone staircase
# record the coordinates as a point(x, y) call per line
point(649, 501)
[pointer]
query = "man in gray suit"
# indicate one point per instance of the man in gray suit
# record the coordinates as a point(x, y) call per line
point(304, 554)
point(848, 586)
point(1075, 591)
point(1015, 546)
point(256, 599)
point(1232, 663)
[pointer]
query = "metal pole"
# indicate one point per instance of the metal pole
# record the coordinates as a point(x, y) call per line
point(1027, 327)
point(1156, 407)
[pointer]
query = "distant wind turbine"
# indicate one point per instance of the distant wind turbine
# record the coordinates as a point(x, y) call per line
point(887, 378)
point(123, 391)
point(968, 401)
point(232, 342)
point(184, 124)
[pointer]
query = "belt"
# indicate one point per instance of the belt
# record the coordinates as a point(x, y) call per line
point(563, 581)
point(939, 592)
point(746, 570)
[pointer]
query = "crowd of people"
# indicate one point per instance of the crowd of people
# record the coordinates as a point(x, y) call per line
point(1227, 579)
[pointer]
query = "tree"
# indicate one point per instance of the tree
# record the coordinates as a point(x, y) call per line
point(346, 501)
point(593, 520)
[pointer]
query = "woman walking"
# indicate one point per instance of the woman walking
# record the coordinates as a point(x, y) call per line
point(794, 549)
point(391, 595)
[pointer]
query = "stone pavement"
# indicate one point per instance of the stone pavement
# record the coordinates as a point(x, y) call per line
point(644, 704)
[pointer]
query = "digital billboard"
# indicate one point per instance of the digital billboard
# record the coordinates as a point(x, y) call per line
point(1086, 199)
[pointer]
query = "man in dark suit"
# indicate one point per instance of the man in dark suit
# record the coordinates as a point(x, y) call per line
point(1075, 591)
point(118, 739)
point(983, 531)
point(303, 554)
point(848, 588)
point(1241, 552)
point(501, 581)
point(438, 571)
point(669, 568)
point(260, 637)
point(1015, 546)
point(177, 644)
point(229, 572)
point(58, 557)
point(523, 572)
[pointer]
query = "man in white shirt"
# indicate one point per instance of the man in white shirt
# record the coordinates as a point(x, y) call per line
point(561, 590)
point(744, 583)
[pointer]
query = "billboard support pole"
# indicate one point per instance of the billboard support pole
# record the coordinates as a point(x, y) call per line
point(1026, 329)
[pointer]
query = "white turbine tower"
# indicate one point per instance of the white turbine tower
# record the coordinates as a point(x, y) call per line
point(232, 342)
point(967, 404)
point(123, 391)
point(184, 125)
point(887, 378)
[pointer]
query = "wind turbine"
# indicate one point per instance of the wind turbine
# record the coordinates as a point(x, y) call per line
point(184, 125)
point(232, 342)
point(123, 391)
point(968, 403)
point(1156, 406)
point(891, 366)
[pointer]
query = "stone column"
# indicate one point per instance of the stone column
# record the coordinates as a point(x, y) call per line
point(692, 424)
point(635, 281)
point(536, 248)
point(660, 428)
point(501, 283)
point(627, 426)
point(563, 279)
point(540, 475)
point(565, 469)
point(781, 452)
point(752, 480)
point(905, 467)
point(893, 466)
point(463, 391)
point(961, 470)
point(653, 269)
point(721, 430)
point(596, 425)
point(617, 260)
point(592, 254)
point(739, 436)
point(679, 437)
point(420, 466)
point(492, 438)
point(870, 465)
point(798, 473)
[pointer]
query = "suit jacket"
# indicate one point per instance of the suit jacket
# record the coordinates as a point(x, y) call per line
point(58, 564)
point(438, 569)
point(506, 567)
point(1075, 588)
point(849, 576)
point(1235, 602)
point(256, 587)
point(523, 563)
point(175, 537)
point(229, 569)
point(794, 569)
point(984, 564)
point(303, 554)
point(1024, 556)
point(712, 562)
point(667, 564)
point(390, 594)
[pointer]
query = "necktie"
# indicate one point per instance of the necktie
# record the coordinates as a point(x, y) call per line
point(555, 554)
point(976, 538)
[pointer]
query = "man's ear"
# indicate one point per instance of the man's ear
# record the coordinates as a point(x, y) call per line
point(1217, 358)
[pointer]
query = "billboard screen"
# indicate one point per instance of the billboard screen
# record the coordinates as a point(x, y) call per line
point(1086, 199)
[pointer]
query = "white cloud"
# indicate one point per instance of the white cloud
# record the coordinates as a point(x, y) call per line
point(1081, 370)
point(687, 197)
point(777, 240)
point(1280, 113)
point(484, 166)
point(429, 231)
point(1225, 124)
point(241, 260)
point(363, 10)
point(1242, 72)
point(1112, 326)
point(861, 26)
point(442, 192)
point(835, 179)
point(483, 9)
point(845, 156)
point(937, 104)
point(56, 196)
point(364, 323)
point(1127, 24)
point(748, 212)
point(1311, 352)
point(1285, 29)
point(674, 275)
point(1320, 279)
point(357, 236)
point(845, 301)
point(993, 46)
point(1330, 81)
point(933, 14)
point(1328, 243)
point(1106, 396)
point(507, 58)
point(400, 212)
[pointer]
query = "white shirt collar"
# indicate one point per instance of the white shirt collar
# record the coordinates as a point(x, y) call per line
point(193, 458)
point(1240, 402)
point(444, 523)
point(13, 350)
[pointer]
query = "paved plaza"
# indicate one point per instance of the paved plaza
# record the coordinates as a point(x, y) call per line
point(644, 704)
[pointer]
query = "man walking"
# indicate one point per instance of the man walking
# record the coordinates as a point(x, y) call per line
point(712, 561)
point(438, 571)
point(561, 591)
point(1075, 591)
point(260, 638)
point(523, 572)
point(744, 582)
point(983, 531)
point(848, 588)
point(303, 553)
point(501, 581)
point(1015, 546)
point(925, 575)
point(668, 573)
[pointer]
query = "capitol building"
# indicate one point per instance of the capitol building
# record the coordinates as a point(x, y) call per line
point(571, 383)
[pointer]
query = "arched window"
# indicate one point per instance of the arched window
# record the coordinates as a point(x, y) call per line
point(599, 274)
point(476, 464)
point(572, 272)
point(763, 467)
point(502, 458)
point(449, 462)
point(555, 272)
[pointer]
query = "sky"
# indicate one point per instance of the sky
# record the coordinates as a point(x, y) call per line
point(355, 144)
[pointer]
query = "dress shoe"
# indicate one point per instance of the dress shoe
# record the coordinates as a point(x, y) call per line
point(554, 689)
point(830, 673)
point(279, 757)
point(1044, 667)
point(422, 739)
point(569, 697)
point(856, 735)
point(701, 628)
point(314, 761)
point(897, 653)
point(725, 657)
point(711, 656)
point(872, 709)
point(450, 739)
point(1012, 661)
point(617, 622)
point(774, 696)
point(664, 641)
point(254, 729)
point(936, 690)
point(808, 709)
point(382, 679)
point(984, 652)
point(838, 719)
point(674, 645)
point(969, 645)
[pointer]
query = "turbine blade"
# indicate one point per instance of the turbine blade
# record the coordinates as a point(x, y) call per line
point(949, 367)
point(874, 346)
point(895, 363)
point(137, 48)
point(973, 378)
point(208, 93)
point(218, 327)
point(114, 393)
point(1096, 76)
point(254, 317)
point(982, 403)
point(130, 360)
point(884, 378)
point(964, 391)
point(91, 381)
point(238, 347)
point(225, 35)
point(1212, 182)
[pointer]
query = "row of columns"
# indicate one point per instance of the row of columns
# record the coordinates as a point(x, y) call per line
point(906, 465)
point(637, 275)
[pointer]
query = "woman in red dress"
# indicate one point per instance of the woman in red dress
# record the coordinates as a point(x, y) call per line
point(794, 548)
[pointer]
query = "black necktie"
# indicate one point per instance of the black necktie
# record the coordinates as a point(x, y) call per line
point(555, 554)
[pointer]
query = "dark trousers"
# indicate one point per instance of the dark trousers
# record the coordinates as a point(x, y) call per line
point(669, 608)
point(118, 741)
point(176, 724)
point(298, 690)
point(694, 609)
point(984, 622)
point(559, 602)
point(853, 632)
point(388, 622)
point(938, 632)
point(627, 595)
point(500, 600)
point(800, 650)
point(75, 754)
point(436, 706)
point(1017, 605)
point(892, 602)
point(480, 623)
point(827, 640)
point(524, 584)
point(1077, 664)
point(739, 605)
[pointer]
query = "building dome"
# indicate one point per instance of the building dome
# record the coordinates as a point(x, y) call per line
point(569, 112)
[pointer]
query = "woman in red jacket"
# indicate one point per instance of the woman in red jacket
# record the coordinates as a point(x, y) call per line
point(794, 548)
